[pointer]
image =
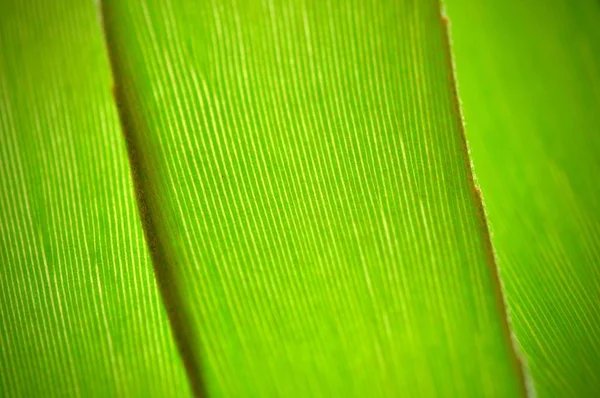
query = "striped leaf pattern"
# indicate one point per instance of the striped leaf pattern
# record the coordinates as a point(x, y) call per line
point(275, 198)
point(80, 314)
point(310, 197)
point(532, 108)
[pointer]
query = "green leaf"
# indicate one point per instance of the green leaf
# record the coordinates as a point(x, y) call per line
point(308, 196)
point(80, 314)
point(528, 74)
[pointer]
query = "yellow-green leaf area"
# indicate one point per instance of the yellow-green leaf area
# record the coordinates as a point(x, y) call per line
point(309, 197)
point(528, 75)
point(80, 313)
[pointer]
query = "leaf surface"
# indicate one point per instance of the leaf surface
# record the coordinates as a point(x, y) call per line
point(309, 197)
point(529, 80)
point(80, 314)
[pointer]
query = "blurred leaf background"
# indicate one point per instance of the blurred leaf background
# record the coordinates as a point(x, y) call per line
point(529, 80)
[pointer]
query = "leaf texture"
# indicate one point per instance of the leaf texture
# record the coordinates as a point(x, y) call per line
point(309, 197)
point(80, 314)
point(528, 74)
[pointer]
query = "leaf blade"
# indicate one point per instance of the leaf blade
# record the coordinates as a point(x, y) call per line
point(531, 110)
point(268, 183)
point(80, 314)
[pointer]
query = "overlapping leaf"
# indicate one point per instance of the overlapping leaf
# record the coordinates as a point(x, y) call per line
point(80, 314)
point(528, 74)
point(309, 193)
